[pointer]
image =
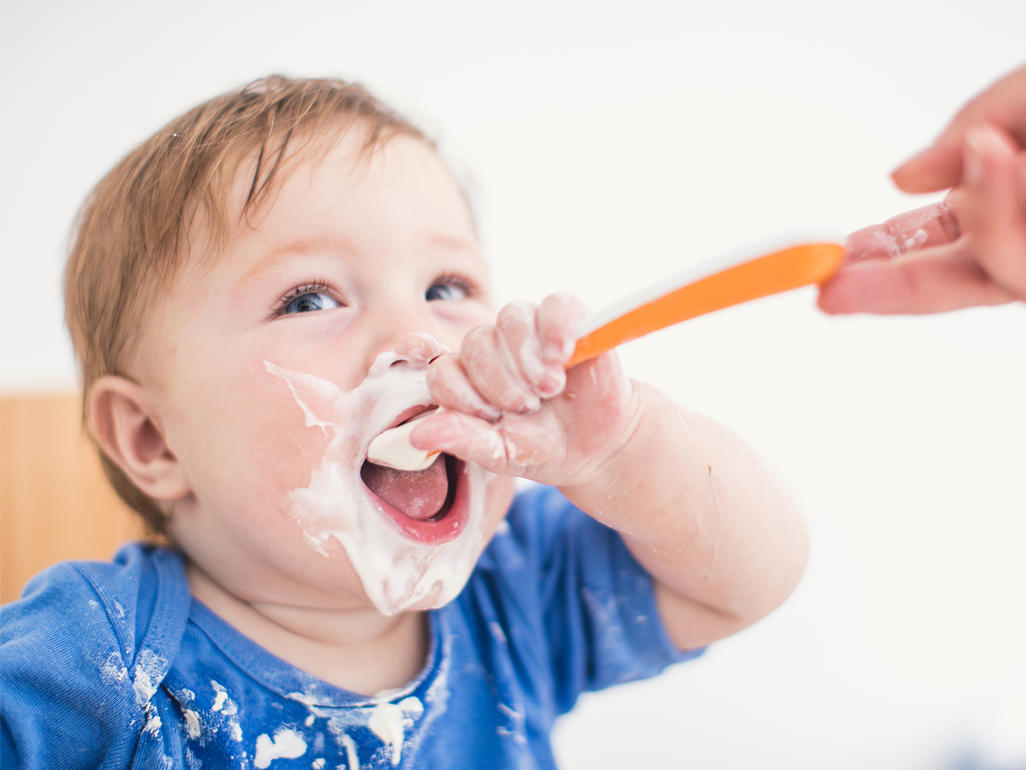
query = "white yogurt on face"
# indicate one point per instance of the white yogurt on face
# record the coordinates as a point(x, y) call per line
point(396, 571)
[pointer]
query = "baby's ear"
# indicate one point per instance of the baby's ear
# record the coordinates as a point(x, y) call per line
point(119, 419)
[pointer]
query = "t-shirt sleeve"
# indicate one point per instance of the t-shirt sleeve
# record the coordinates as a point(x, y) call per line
point(66, 695)
point(597, 602)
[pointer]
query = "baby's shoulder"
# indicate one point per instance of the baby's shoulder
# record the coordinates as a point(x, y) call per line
point(89, 633)
point(140, 586)
point(117, 609)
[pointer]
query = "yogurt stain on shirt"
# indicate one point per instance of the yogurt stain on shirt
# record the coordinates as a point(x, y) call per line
point(390, 720)
point(286, 744)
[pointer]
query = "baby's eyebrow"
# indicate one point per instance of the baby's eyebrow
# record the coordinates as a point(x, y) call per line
point(277, 255)
point(454, 243)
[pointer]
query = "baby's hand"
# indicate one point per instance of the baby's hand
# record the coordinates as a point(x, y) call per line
point(509, 406)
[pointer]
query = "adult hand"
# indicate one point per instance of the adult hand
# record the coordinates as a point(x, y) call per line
point(969, 249)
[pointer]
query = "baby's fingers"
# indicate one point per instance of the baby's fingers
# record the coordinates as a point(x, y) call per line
point(518, 330)
point(515, 446)
point(492, 371)
point(558, 316)
point(450, 388)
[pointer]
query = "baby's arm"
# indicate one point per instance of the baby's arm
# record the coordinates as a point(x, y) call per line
point(722, 542)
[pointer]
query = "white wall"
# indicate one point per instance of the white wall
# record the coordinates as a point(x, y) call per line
point(611, 143)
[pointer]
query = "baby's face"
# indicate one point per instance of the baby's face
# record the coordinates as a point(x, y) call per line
point(273, 368)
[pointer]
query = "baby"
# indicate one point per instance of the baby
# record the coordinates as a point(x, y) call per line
point(256, 294)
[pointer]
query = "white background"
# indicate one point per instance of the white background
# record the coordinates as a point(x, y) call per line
point(608, 144)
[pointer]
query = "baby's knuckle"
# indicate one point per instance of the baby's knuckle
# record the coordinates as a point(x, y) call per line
point(515, 316)
point(476, 339)
point(520, 401)
point(561, 301)
point(437, 373)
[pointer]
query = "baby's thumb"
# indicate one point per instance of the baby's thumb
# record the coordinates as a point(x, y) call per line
point(463, 436)
point(514, 446)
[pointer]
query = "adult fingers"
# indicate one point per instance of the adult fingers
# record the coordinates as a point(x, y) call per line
point(925, 227)
point(993, 214)
point(928, 281)
point(939, 166)
point(920, 228)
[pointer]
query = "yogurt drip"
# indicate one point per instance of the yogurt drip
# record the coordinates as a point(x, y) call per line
point(396, 571)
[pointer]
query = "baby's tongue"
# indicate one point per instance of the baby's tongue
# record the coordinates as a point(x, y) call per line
point(418, 494)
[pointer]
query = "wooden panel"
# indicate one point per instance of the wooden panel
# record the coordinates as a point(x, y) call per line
point(55, 502)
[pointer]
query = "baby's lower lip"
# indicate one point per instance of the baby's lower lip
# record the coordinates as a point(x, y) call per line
point(449, 522)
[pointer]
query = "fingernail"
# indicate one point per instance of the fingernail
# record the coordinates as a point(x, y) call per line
point(558, 352)
point(864, 244)
point(531, 404)
point(489, 412)
point(549, 386)
point(974, 168)
point(552, 353)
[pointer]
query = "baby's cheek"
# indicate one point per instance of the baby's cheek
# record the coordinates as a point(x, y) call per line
point(283, 450)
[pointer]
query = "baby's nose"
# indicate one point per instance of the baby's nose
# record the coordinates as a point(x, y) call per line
point(416, 350)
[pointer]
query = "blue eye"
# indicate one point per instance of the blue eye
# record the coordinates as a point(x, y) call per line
point(310, 301)
point(447, 289)
point(307, 299)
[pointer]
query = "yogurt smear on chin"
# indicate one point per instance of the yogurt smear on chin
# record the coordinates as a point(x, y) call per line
point(397, 572)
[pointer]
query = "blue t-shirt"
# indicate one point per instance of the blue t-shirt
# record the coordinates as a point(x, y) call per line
point(116, 665)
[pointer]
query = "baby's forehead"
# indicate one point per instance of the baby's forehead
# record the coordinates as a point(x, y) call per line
point(239, 200)
point(388, 179)
point(343, 151)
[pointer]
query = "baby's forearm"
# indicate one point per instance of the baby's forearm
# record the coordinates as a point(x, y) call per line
point(721, 539)
point(723, 542)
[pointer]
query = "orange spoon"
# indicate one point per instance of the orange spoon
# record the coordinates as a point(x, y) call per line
point(674, 300)
point(684, 296)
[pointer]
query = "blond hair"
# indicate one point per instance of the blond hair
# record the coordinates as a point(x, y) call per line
point(133, 229)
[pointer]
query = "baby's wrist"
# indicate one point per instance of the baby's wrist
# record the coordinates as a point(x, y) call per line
point(617, 458)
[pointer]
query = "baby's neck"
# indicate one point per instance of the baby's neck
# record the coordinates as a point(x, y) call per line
point(356, 649)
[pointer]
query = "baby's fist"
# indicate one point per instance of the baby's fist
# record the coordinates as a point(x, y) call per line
point(509, 405)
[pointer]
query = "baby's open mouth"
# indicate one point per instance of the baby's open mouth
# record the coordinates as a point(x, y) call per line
point(428, 505)
point(421, 495)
